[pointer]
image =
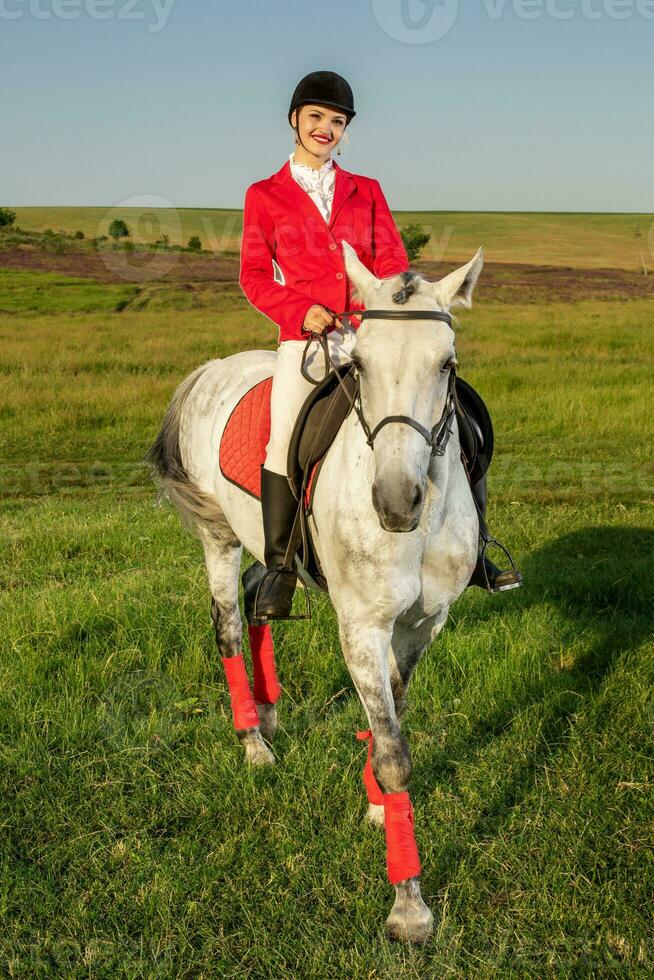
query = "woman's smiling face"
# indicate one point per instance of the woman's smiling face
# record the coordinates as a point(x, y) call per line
point(320, 128)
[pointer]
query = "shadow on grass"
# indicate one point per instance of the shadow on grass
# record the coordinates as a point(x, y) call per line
point(599, 580)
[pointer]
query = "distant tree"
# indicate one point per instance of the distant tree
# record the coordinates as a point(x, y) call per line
point(7, 217)
point(414, 240)
point(639, 239)
point(195, 243)
point(79, 234)
point(118, 229)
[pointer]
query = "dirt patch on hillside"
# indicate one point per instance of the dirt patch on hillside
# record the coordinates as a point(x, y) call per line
point(514, 283)
point(109, 266)
point(500, 282)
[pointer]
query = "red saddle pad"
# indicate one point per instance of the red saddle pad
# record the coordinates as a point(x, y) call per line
point(244, 440)
point(245, 437)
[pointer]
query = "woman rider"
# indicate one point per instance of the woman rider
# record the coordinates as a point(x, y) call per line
point(277, 227)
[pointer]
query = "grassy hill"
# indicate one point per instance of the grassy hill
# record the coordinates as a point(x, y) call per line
point(579, 240)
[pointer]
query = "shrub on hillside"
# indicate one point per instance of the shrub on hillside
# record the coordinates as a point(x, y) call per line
point(118, 229)
point(414, 239)
point(195, 244)
point(7, 217)
point(79, 234)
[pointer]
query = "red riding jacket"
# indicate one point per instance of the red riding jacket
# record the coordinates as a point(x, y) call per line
point(281, 222)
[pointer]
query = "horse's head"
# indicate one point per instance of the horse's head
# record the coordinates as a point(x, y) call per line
point(404, 370)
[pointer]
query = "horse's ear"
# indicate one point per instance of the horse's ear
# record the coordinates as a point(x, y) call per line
point(361, 278)
point(457, 288)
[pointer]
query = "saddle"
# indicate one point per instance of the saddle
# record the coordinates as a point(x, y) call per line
point(243, 443)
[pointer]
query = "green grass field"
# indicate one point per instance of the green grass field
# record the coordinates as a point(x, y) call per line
point(588, 241)
point(134, 842)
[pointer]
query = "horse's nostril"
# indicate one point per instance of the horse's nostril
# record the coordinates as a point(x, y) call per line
point(417, 496)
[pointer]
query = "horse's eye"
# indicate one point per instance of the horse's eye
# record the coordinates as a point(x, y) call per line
point(449, 363)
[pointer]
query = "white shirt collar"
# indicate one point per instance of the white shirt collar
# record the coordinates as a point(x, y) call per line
point(326, 167)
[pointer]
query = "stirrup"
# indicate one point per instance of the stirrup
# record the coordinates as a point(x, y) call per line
point(261, 620)
point(492, 589)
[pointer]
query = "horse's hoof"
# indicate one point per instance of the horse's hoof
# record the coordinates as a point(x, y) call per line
point(267, 720)
point(410, 920)
point(375, 815)
point(257, 752)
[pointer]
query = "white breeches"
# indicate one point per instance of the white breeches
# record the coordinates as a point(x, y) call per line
point(290, 389)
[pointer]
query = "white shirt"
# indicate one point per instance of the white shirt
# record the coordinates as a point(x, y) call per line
point(319, 184)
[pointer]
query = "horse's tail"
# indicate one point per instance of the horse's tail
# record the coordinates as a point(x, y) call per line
point(164, 457)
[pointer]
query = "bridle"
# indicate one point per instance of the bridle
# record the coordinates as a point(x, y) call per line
point(438, 437)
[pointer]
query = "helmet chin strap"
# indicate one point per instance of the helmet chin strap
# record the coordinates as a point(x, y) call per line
point(297, 128)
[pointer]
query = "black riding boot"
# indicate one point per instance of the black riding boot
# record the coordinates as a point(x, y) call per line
point(498, 581)
point(275, 593)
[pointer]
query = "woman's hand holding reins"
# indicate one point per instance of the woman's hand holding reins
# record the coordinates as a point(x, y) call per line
point(319, 318)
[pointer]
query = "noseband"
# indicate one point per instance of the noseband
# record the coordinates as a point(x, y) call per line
point(437, 438)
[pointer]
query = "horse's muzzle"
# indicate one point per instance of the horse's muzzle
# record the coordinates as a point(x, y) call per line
point(398, 504)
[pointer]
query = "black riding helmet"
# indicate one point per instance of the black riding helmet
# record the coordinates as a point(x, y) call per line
point(323, 88)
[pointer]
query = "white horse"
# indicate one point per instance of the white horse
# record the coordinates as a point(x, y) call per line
point(391, 591)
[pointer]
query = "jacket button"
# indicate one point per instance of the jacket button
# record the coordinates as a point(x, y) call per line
point(332, 246)
point(339, 275)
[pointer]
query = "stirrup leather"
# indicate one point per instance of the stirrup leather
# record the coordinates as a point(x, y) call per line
point(488, 538)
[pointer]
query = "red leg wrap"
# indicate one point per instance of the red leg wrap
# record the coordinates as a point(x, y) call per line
point(266, 685)
point(371, 784)
point(244, 711)
point(402, 860)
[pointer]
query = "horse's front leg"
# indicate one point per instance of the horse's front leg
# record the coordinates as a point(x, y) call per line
point(366, 654)
point(408, 642)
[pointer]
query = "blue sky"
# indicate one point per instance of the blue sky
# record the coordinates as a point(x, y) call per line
point(485, 105)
